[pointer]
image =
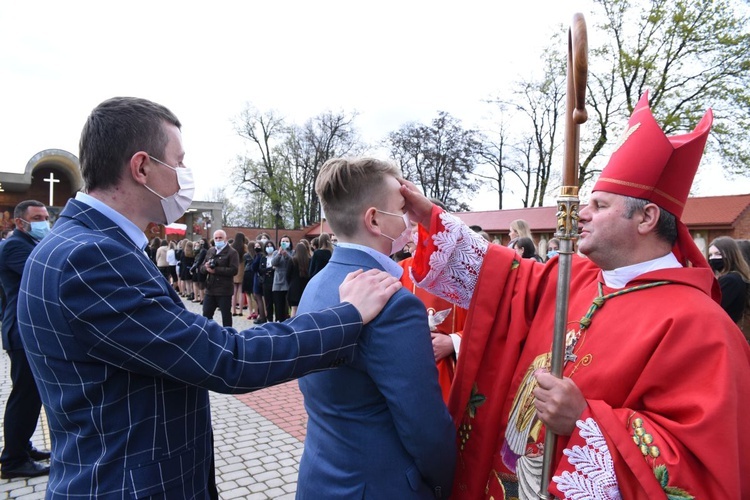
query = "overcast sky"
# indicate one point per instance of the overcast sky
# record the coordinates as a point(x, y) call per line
point(391, 61)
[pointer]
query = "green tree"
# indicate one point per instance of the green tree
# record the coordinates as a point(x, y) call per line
point(278, 177)
point(264, 174)
point(690, 55)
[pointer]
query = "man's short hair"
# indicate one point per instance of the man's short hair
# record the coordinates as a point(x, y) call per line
point(347, 186)
point(666, 227)
point(20, 211)
point(114, 131)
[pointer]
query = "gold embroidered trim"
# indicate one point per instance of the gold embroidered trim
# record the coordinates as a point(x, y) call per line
point(643, 186)
point(644, 440)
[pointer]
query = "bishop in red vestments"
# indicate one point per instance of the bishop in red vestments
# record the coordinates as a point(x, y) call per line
point(656, 380)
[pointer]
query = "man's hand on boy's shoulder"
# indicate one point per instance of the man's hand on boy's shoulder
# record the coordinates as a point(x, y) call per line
point(368, 291)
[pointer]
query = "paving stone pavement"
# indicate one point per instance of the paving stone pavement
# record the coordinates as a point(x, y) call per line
point(258, 439)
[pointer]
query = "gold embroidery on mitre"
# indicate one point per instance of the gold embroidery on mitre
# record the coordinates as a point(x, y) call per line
point(628, 132)
point(645, 188)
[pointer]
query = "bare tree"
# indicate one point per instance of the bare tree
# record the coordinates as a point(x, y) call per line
point(306, 149)
point(600, 105)
point(543, 106)
point(539, 101)
point(494, 150)
point(439, 158)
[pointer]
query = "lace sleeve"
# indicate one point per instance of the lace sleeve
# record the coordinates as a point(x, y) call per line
point(594, 476)
point(456, 261)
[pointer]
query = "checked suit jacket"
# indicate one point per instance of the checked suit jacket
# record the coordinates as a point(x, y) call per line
point(377, 427)
point(124, 369)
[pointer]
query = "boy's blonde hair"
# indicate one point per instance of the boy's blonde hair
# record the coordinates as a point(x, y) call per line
point(347, 186)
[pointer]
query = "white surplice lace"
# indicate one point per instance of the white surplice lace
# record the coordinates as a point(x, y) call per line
point(594, 477)
point(455, 264)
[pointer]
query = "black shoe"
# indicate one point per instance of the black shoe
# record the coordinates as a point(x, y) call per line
point(260, 321)
point(29, 469)
point(37, 455)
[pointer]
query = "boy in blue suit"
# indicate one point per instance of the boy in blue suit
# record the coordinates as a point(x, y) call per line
point(378, 427)
point(123, 368)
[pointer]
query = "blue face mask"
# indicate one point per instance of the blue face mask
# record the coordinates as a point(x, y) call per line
point(220, 244)
point(285, 245)
point(269, 250)
point(38, 229)
point(552, 253)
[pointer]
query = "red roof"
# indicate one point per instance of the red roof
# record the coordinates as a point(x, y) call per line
point(314, 230)
point(703, 212)
point(715, 210)
point(709, 211)
point(540, 219)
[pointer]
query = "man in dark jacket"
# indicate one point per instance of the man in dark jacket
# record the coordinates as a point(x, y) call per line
point(221, 265)
point(19, 457)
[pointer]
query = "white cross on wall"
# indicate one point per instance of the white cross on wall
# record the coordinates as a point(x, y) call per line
point(52, 182)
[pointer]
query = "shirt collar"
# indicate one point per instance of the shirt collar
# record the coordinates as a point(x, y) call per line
point(390, 267)
point(618, 278)
point(131, 230)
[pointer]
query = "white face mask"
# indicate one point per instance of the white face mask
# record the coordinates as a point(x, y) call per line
point(175, 205)
point(398, 243)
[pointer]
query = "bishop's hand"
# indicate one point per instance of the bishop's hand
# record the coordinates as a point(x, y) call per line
point(559, 402)
point(417, 204)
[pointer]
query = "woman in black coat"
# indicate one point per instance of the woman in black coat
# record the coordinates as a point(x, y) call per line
point(199, 279)
point(266, 270)
point(298, 276)
point(322, 255)
point(733, 274)
point(253, 280)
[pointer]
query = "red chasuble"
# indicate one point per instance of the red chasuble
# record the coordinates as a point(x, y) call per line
point(665, 372)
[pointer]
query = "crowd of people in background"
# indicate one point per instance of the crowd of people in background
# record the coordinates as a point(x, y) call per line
point(268, 283)
point(271, 278)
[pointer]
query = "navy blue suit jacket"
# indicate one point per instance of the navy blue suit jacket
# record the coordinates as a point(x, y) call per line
point(14, 252)
point(378, 427)
point(123, 368)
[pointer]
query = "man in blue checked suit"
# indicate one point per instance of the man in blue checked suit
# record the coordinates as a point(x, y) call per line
point(122, 367)
point(378, 427)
